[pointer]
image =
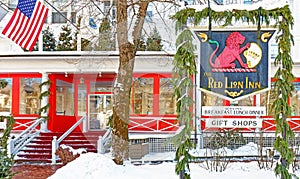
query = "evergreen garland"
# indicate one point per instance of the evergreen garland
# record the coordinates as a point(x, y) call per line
point(44, 94)
point(6, 160)
point(184, 62)
point(184, 65)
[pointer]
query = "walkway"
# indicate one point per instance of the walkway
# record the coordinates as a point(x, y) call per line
point(34, 171)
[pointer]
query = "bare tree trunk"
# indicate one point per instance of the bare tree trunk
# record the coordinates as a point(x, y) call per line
point(121, 108)
point(127, 50)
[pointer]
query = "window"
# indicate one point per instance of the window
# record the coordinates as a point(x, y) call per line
point(12, 4)
point(73, 17)
point(248, 1)
point(267, 98)
point(230, 2)
point(102, 86)
point(107, 7)
point(113, 13)
point(5, 96)
point(167, 102)
point(64, 98)
point(58, 18)
point(295, 100)
point(149, 15)
point(29, 95)
point(81, 100)
point(211, 100)
point(248, 101)
point(142, 95)
point(274, 51)
point(100, 108)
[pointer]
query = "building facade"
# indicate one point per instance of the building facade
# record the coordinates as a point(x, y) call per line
point(81, 83)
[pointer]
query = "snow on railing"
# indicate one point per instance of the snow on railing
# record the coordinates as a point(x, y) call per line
point(55, 141)
point(25, 137)
point(104, 142)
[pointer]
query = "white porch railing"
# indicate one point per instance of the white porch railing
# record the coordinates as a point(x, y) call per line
point(104, 142)
point(25, 137)
point(55, 141)
point(3, 124)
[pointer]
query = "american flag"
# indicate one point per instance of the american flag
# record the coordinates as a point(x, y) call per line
point(26, 23)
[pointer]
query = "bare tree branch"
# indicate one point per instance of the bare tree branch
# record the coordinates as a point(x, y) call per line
point(137, 31)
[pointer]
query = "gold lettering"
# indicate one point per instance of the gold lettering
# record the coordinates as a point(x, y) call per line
point(226, 82)
point(233, 84)
point(214, 84)
point(210, 82)
point(240, 84)
point(252, 84)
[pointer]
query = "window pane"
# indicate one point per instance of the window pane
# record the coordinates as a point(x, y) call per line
point(167, 103)
point(73, 17)
point(64, 98)
point(143, 95)
point(58, 18)
point(267, 99)
point(248, 101)
point(211, 100)
point(100, 108)
point(295, 100)
point(12, 4)
point(5, 96)
point(102, 86)
point(29, 95)
point(81, 100)
point(149, 16)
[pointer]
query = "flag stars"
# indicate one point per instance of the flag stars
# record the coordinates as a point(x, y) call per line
point(26, 7)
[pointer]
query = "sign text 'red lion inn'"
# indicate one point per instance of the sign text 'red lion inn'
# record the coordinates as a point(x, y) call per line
point(234, 64)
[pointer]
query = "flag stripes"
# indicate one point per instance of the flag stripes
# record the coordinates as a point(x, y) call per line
point(25, 29)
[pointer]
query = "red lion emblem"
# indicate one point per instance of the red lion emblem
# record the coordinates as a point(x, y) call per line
point(230, 53)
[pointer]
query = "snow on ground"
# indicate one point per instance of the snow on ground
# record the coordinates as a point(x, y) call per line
point(95, 166)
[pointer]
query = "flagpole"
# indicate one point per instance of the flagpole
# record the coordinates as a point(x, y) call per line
point(4, 4)
point(98, 7)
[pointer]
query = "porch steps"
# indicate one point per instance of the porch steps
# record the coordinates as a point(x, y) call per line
point(39, 150)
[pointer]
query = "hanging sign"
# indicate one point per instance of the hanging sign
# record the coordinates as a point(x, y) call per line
point(234, 64)
point(234, 123)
